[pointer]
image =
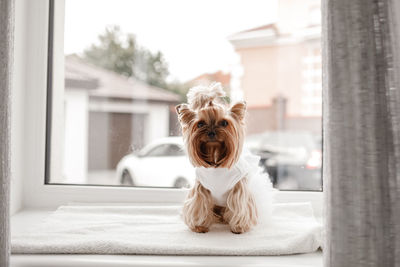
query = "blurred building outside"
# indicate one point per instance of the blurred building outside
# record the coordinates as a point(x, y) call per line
point(280, 70)
point(108, 116)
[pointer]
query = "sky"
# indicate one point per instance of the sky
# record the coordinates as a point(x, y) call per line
point(191, 34)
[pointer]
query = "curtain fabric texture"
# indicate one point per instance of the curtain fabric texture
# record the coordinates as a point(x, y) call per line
point(6, 47)
point(361, 63)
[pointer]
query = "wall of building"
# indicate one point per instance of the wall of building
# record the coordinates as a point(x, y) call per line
point(274, 118)
point(75, 136)
point(158, 122)
point(259, 120)
point(272, 71)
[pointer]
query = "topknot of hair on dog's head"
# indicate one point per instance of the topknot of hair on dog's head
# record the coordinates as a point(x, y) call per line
point(201, 96)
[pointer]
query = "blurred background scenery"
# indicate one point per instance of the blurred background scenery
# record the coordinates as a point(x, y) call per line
point(128, 63)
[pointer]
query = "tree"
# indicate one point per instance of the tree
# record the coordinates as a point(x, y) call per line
point(121, 54)
point(179, 88)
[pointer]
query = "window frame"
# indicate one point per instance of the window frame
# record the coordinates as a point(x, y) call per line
point(38, 194)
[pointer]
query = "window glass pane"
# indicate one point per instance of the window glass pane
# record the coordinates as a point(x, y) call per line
point(129, 63)
point(174, 150)
point(158, 151)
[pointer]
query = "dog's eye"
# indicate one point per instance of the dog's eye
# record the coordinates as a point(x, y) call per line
point(223, 123)
point(200, 124)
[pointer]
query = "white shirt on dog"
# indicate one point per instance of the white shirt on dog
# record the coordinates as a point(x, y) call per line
point(220, 180)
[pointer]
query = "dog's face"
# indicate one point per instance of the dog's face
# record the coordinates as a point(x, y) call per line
point(213, 134)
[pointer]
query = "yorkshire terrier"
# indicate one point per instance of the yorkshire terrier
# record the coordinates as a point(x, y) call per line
point(227, 179)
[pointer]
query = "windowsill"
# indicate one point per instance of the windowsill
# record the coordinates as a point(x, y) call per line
point(301, 260)
point(26, 219)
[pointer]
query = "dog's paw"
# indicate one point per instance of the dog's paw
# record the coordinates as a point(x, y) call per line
point(200, 229)
point(239, 229)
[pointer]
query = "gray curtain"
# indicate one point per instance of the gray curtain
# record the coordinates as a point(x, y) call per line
point(6, 59)
point(361, 74)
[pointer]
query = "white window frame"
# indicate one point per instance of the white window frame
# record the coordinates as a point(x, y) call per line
point(37, 194)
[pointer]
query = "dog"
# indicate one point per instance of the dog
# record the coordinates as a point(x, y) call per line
point(227, 178)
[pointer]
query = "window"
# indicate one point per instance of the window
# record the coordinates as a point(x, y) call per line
point(114, 121)
point(165, 151)
point(312, 81)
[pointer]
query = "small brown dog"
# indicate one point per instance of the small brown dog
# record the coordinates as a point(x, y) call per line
point(213, 133)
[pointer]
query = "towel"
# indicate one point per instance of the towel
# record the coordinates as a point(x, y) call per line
point(125, 229)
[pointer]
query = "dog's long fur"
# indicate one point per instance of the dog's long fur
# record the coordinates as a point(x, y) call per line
point(241, 212)
point(206, 107)
point(198, 209)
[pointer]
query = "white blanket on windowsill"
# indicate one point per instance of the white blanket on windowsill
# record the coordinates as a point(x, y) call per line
point(124, 229)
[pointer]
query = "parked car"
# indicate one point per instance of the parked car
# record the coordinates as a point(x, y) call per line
point(162, 163)
point(292, 159)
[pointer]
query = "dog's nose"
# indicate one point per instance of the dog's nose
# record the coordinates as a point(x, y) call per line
point(211, 134)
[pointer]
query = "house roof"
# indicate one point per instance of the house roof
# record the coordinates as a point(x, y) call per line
point(270, 28)
point(255, 35)
point(80, 74)
point(270, 34)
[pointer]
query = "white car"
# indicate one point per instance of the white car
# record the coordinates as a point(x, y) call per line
point(162, 163)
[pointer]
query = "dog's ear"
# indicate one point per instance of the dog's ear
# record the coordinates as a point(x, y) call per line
point(238, 110)
point(185, 114)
